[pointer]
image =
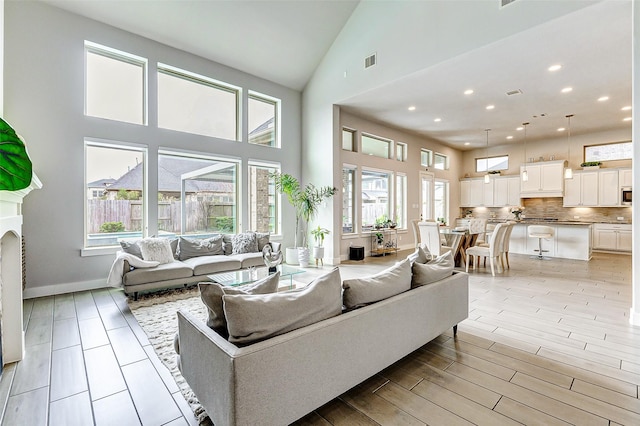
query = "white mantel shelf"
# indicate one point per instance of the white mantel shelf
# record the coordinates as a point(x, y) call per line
point(11, 270)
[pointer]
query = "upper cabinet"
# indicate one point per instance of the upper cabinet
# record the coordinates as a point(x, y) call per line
point(608, 188)
point(581, 191)
point(545, 179)
point(625, 178)
point(499, 192)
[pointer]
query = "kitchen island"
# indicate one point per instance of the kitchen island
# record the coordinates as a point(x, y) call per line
point(571, 240)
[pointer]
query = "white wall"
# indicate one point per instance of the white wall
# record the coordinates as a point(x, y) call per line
point(44, 101)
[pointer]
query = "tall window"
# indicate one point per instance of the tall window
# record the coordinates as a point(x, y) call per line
point(608, 152)
point(196, 195)
point(440, 161)
point(492, 163)
point(375, 197)
point(119, 211)
point(348, 197)
point(425, 157)
point(263, 120)
point(348, 139)
point(193, 103)
point(401, 151)
point(401, 201)
point(375, 146)
point(263, 207)
point(115, 84)
point(441, 200)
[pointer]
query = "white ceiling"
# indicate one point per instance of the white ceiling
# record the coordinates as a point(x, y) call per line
point(284, 41)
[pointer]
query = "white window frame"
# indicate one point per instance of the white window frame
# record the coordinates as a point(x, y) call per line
point(429, 154)
point(588, 148)
point(277, 103)
point(400, 196)
point(353, 139)
point(354, 200)
point(390, 201)
point(480, 167)
point(389, 143)
point(445, 161)
point(446, 201)
point(403, 151)
point(278, 205)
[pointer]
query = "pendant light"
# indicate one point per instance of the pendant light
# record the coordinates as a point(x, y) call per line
point(525, 175)
point(487, 178)
point(568, 172)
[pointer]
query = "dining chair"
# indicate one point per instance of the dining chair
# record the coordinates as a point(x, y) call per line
point(416, 231)
point(493, 251)
point(505, 246)
point(430, 236)
point(478, 226)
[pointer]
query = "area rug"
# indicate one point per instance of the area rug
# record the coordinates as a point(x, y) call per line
point(156, 314)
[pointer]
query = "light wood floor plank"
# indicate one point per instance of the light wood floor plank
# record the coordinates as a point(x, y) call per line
point(72, 411)
point(116, 410)
point(338, 413)
point(526, 415)
point(92, 333)
point(33, 371)
point(63, 307)
point(65, 333)
point(611, 397)
point(68, 376)
point(103, 372)
point(30, 408)
point(85, 306)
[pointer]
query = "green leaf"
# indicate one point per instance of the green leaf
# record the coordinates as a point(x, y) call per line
point(15, 165)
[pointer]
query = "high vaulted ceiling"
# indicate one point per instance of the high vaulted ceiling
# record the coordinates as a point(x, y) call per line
point(284, 41)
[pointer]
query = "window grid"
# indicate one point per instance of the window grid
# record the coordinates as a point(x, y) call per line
point(264, 120)
point(425, 157)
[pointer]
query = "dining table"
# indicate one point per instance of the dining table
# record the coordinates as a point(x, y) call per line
point(459, 240)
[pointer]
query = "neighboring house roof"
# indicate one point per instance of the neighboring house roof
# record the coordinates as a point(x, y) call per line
point(170, 170)
point(101, 183)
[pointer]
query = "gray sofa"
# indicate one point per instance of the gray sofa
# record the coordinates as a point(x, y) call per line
point(278, 380)
point(184, 272)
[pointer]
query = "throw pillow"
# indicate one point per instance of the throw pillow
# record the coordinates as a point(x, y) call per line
point(362, 291)
point(211, 294)
point(158, 249)
point(227, 244)
point(200, 247)
point(263, 239)
point(432, 271)
point(131, 247)
point(421, 255)
point(244, 243)
point(251, 318)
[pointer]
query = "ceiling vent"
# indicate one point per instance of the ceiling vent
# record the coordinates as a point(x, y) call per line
point(370, 61)
point(514, 92)
point(504, 3)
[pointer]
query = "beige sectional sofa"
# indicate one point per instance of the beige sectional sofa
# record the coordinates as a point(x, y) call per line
point(278, 380)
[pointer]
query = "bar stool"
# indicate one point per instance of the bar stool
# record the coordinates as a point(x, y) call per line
point(540, 232)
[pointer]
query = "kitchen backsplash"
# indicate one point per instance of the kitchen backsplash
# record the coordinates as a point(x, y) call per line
point(552, 208)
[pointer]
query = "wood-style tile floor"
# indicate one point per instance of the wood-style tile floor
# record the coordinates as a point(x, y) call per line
point(546, 343)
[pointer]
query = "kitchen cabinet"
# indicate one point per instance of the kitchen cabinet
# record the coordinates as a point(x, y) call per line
point(476, 193)
point(625, 178)
point(608, 188)
point(612, 237)
point(582, 190)
point(465, 193)
point(506, 191)
point(568, 242)
point(546, 179)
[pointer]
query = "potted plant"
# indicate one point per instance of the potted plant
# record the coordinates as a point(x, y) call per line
point(590, 165)
point(318, 250)
point(379, 239)
point(306, 202)
point(15, 166)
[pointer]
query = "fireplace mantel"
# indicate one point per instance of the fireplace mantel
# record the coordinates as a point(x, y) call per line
point(11, 271)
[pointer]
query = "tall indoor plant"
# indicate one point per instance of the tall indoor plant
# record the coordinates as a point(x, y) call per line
point(306, 202)
point(15, 166)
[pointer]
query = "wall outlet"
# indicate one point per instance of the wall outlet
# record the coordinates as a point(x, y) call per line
point(620, 218)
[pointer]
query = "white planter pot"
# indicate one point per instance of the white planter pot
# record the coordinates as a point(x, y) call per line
point(291, 255)
point(318, 252)
point(303, 256)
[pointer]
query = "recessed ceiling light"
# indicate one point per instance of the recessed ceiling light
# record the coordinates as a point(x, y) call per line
point(561, 129)
point(467, 143)
point(554, 67)
point(627, 119)
point(603, 98)
point(627, 108)
point(468, 92)
point(509, 137)
point(519, 128)
point(411, 108)
point(437, 120)
point(490, 106)
point(567, 89)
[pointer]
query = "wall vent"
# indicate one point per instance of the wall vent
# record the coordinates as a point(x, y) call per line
point(504, 3)
point(370, 61)
point(514, 92)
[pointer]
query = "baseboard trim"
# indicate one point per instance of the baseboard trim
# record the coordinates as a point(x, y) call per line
point(51, 290)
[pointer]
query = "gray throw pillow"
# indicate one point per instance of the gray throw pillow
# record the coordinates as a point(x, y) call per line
point(131, 247)
point(263, 239)
point(391, 281)
point(421, 255)
point(227, 244)
point(211, 295)
point(200, 247)
point(244, 243)
point(430, 272)
point(251, 318)
point(158, 249)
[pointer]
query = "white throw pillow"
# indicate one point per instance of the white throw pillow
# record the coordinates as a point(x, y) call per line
point(421, 255)
point(435, 270)
point(251, 318)
point(391, 281)
point(158, 249)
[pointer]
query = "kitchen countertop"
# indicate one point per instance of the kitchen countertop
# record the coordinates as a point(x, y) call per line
point(559, 222)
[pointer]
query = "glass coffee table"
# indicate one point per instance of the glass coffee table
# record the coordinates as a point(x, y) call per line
point(246, 276)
